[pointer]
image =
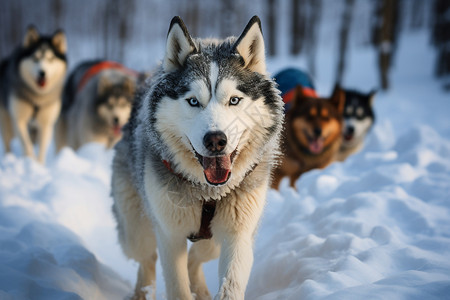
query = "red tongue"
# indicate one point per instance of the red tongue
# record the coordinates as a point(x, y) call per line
point(217, 169)
point(41, 82)
point(316, 146)
point(348, 137)
point(116, 130)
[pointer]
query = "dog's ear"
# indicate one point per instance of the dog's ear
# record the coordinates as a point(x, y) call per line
point(103, 85)
point(59, 41)
point(298, 96)
point(371, 96)
point(338, 98)
point(31, 36)
point(250, 45)
point(178, 46)
point(129, 86)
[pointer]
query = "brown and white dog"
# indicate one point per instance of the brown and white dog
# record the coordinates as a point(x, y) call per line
point(312, 134)
point(97, 102)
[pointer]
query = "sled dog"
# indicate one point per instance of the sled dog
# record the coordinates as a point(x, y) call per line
point(359, 118)
point(31, 81)
point(312, 129)
point(195, 162)
point(97, 101)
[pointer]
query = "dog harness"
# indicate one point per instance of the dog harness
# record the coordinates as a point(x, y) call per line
point(104, 65)
point(208, 211)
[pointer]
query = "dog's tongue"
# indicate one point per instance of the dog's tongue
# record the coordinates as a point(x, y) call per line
point(217, 169)
point(41, 82)
point(316, 146)
point(116, 130)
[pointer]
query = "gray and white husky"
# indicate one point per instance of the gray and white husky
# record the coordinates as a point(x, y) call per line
point(97, 100)
point(195, 162)
point(31, 81)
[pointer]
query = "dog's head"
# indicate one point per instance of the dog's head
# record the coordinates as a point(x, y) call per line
point(313, 124)
point(115, 92)
point(43, 60)
point(358, 116)
point(215, 108)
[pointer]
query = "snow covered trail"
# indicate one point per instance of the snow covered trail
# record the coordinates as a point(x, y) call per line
point(376, 226)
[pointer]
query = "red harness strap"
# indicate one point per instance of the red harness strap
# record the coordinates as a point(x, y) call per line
point(104, 65)
point(308, 92)
point(208, 210)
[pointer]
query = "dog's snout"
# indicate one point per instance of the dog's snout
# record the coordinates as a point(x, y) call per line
point(350, 130)
point(41, 74)
point(317, 131)
point(116, 121)
point(215, 141)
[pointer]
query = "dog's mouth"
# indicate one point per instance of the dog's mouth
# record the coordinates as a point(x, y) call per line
point(348, 136)
point(117, 130)
point(315, 143)
point(217, 169)
point(41, 81)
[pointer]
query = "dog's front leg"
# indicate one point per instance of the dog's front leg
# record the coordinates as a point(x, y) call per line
point(235, 264)
point(173, 252)
point(46, 119)
point(22, 112)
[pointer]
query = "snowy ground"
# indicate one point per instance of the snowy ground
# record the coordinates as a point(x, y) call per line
point(376, 226)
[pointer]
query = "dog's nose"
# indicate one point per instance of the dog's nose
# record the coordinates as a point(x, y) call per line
point(317, 131)
point(116, 121)
point(41, 74)
point(215, 141)
point(350, 130)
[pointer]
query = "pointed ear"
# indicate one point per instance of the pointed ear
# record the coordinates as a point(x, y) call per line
point(338, 98)
point(178, 46)
point(250, 45)
point(59, 41)
point(298, 96)
point(129, 85)
point(103, 85)
point(31, 36)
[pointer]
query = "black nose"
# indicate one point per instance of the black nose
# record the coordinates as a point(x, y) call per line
point(215, 141)
point(317, 131)
point(116, 121)
point(41, 74)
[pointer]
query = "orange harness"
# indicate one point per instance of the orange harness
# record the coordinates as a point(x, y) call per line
point(104, 65)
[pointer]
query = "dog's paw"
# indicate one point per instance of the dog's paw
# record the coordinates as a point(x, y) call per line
point(201, 293)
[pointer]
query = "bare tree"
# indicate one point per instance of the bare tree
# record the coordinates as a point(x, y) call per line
point(384, 35)
point(441, 39)
point(271, 12)
point(343, 38)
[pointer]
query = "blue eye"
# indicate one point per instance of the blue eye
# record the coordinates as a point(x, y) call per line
point(193, 102)
point(235, 100)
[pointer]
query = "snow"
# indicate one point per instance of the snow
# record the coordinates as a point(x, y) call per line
point(375, 226)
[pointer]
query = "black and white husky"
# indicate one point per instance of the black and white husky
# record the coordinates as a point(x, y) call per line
point(31, 81)
point(359, 118)
point(195, 162)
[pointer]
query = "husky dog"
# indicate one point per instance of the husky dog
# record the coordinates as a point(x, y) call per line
point(195, 162)
point(97, 102)
point(31, 81)
point(312, 131)
point(359, 118)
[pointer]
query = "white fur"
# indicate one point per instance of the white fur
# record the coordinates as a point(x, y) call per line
point(149, 204)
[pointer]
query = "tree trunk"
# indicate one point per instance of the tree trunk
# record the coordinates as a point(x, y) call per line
point(343, 38)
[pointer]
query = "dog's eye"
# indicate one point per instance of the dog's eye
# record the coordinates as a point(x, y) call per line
point(193, 102)
point(235, 100)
